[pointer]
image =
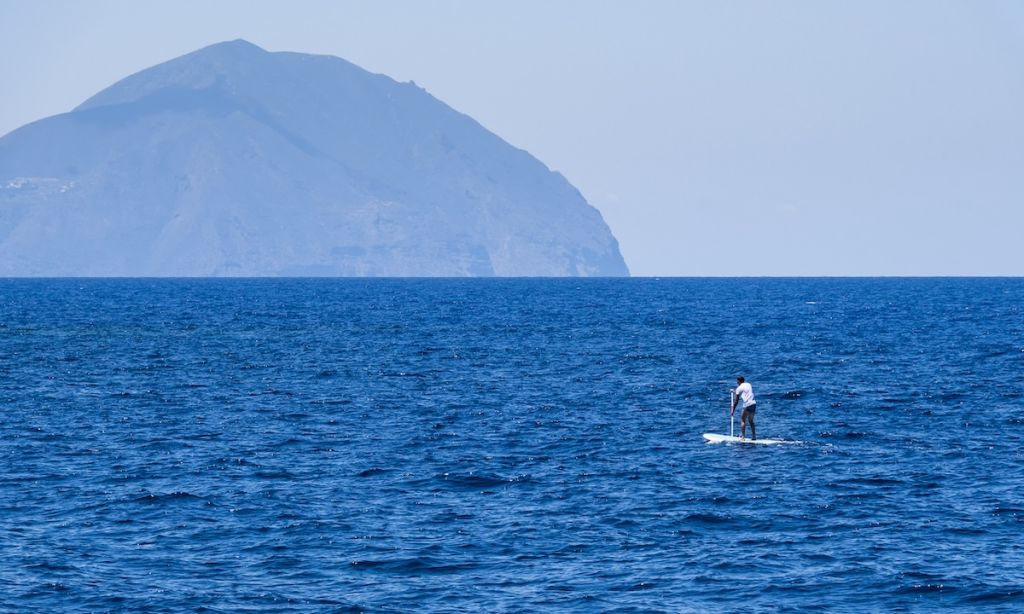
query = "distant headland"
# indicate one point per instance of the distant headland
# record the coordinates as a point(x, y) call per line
point(234, 161)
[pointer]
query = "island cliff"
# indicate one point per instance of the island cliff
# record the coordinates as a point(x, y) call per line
point(234, 161)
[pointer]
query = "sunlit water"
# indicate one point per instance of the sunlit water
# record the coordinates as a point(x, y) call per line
point(509, 445)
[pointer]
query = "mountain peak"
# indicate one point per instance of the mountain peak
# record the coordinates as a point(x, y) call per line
point(196, 70)
point(238, 44)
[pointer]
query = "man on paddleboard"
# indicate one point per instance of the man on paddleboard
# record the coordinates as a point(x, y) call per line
point(745, 393)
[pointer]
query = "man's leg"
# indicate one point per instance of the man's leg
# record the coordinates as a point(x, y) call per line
point(749, 415)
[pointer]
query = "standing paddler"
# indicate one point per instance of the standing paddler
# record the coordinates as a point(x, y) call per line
point(745, 393)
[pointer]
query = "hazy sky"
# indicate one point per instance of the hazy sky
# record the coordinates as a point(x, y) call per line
point(717, 138)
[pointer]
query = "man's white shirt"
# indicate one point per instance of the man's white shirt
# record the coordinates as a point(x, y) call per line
point(746, 394)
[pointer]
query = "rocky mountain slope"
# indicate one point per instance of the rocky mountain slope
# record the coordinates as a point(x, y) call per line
point(233, 161)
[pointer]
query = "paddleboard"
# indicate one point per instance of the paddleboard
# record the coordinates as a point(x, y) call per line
point(716, 438)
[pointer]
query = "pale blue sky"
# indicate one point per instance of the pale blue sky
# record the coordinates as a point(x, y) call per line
point(717, 138)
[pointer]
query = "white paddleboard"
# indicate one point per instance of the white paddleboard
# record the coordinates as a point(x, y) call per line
point(716, 438)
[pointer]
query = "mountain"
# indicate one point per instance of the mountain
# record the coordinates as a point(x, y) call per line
point(234, 161)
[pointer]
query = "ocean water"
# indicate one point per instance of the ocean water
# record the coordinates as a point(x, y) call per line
point(510, 445)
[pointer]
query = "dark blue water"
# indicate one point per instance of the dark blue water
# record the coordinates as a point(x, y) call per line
point(510, 445)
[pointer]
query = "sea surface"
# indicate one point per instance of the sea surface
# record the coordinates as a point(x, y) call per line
point(339, 445)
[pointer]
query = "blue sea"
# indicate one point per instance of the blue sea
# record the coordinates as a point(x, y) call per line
point(520, 445)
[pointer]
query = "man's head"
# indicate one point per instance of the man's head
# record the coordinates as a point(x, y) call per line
point(740, 380)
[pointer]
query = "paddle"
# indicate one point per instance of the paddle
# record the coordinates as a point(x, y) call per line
point(732, 418)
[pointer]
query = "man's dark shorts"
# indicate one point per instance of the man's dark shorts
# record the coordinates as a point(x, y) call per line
point(752, 409)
